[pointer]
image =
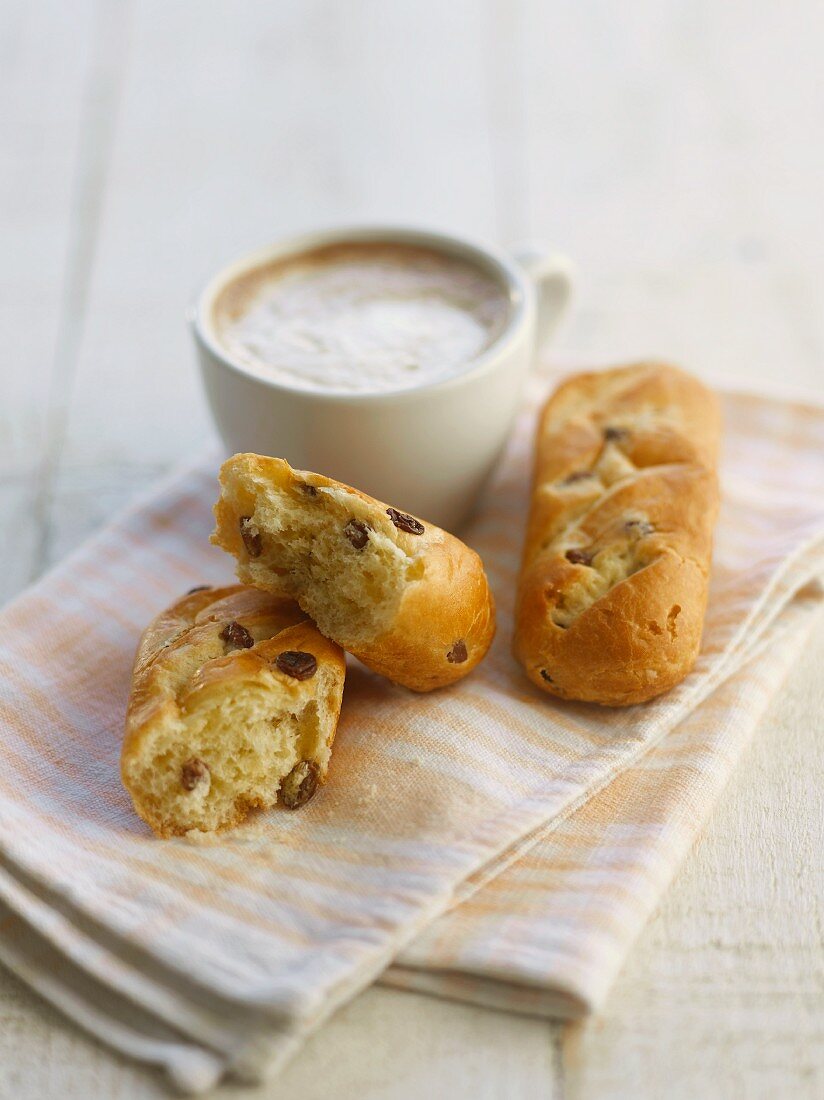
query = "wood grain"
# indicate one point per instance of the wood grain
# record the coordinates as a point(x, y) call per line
point(40, 158)
point(673, 150)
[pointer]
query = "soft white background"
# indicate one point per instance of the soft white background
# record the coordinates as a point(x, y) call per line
point(675, 150)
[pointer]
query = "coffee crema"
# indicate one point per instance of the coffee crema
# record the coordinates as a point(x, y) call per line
point(361, 317)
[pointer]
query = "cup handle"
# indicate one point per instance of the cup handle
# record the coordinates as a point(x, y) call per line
point(552, 274)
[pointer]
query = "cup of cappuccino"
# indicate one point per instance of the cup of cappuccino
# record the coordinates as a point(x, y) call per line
point(391, 359)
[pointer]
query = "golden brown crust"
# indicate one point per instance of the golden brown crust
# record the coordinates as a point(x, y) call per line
point(445, 620)
point(614, 577)
point(208, 647)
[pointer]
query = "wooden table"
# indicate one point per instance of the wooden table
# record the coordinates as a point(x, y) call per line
point(674, 150)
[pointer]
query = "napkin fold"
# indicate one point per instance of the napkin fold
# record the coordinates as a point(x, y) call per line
point(484, 842)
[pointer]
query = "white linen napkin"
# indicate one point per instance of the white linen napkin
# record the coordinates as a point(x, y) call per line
point(484, 842)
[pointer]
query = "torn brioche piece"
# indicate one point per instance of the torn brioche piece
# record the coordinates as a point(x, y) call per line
point(615, 571)
point(234, 704)
point(409, 600)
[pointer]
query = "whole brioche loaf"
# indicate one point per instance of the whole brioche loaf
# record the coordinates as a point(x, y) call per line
point(408, 599)
point(614, 577)
point(234, 704)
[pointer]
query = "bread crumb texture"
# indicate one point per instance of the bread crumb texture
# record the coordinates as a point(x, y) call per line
point(408, 599)
point(214, 726)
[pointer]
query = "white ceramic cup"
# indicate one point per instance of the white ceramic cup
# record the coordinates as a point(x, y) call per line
point(427, 450)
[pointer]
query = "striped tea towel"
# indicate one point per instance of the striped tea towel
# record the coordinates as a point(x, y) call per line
point(483, 842)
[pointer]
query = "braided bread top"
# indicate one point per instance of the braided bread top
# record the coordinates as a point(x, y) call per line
point(613, 582)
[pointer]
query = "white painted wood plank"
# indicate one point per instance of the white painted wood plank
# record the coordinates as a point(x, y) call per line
point(42, 88)
point(673, 151)
point(722, 995)
point(39, 144)
point(86, 497)
point(19, 535)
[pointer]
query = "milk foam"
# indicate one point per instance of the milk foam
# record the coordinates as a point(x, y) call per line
point(362, 317)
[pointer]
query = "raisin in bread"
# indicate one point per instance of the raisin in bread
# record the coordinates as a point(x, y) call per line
point(234, 704)
point(613, 583)
point(409, 600)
